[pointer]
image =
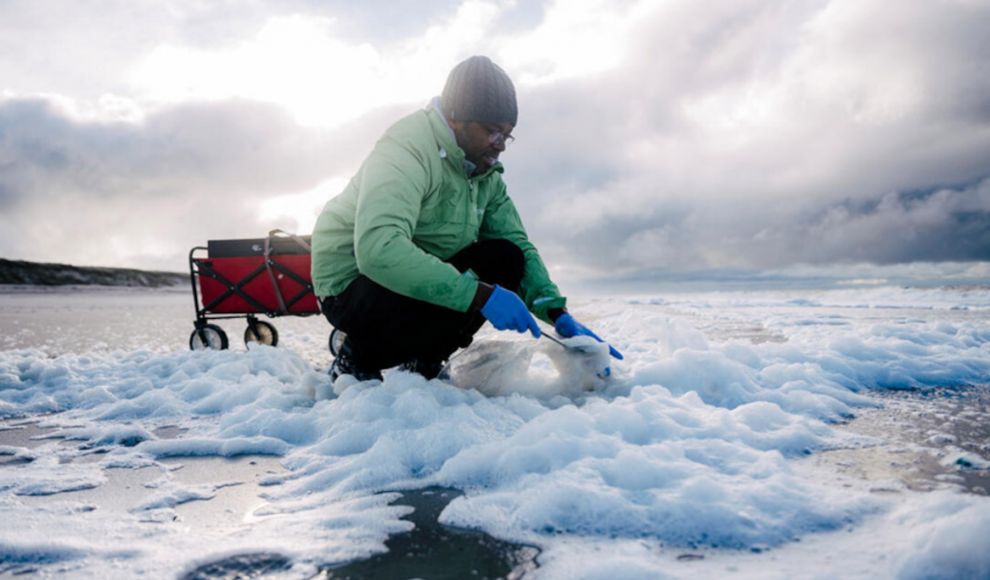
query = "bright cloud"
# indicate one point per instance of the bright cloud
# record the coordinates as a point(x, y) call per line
point(304, 64)
point(576, 38)
point(298, 211)
point(294, 61)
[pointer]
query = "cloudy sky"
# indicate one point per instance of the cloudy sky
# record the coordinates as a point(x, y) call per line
point(658, 140)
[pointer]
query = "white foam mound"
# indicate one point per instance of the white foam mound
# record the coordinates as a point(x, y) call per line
point(500, 367)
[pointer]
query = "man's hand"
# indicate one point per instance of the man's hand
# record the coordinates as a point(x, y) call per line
point(567, 327)
point(506, 311)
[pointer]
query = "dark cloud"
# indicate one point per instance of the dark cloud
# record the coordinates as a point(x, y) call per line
point(945, 225)
point(228, 145)
point(101, 191)
point(768, 134)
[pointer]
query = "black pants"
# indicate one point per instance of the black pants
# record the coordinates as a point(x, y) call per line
point(385, 329)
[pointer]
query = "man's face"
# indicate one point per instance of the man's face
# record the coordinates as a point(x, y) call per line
point(482, 142)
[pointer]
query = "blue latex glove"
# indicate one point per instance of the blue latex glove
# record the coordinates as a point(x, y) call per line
point(567, 327)
point(506, 311)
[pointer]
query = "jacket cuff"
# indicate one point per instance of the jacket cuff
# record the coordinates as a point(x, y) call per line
point(481, 296)
point(555, 313)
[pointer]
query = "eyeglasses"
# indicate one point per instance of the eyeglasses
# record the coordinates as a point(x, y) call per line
point(497, 137)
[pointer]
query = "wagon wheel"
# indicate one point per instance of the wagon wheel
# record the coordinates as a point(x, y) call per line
point(336, 341)
point(208, 336)
point(260, 332)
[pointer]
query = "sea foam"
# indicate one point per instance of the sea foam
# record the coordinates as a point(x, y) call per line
point(692, 443)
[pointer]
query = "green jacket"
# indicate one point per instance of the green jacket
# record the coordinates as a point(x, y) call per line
point(410, 207)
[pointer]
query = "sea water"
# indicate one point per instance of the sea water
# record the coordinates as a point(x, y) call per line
point(745, 435)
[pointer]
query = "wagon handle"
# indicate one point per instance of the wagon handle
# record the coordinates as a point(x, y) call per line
point(268, 264)
point(298, 240)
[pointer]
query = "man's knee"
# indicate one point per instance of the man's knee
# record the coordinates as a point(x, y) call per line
point(500, 262)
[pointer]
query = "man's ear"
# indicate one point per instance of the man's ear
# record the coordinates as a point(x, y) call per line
point(456, 125)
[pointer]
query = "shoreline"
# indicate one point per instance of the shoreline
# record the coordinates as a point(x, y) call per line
point(89, 288)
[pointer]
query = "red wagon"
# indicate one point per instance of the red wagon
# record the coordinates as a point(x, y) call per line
point(249, 277)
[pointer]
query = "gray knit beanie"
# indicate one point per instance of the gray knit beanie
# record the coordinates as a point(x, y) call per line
point(479, 90)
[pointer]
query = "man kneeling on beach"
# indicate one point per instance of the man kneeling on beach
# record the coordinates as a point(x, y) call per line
point(424, 245)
